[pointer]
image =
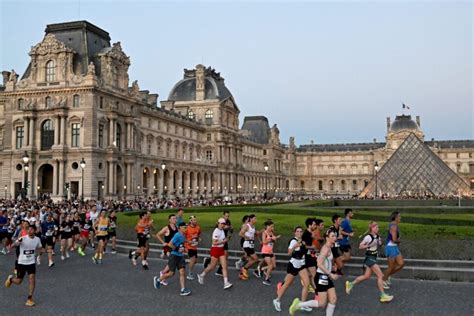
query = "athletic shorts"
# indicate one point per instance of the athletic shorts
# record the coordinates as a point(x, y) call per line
point(192, 253)
point(369, 261)
point(176, 262)
point(345, 248)
point(22, 269)
point(217, 252)
point(75, 231)
point(47, 241)
point(3, 235)
point(336, 253)
point(84, 234)
point(166, 250)
point(242, 242)
point(309, 261)
point(269, 255)
point(226, 246)
point(66, 235)
point(103, 237)
point(249, 251)
point(392, 251)
point(142, 240)
point(112, 234)
point(323, 282)
point(290, 269)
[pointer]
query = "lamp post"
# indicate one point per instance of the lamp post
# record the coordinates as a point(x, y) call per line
point(26, 160)
point(238, 190)
point(125, 191)
point(6, 188)
point(163, 167)
point(376, 167)
point(138, 190)
point(103, 191)
point(83, 165)
point(266, 179)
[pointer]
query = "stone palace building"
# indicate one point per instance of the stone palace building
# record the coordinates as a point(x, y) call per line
point(74, 125)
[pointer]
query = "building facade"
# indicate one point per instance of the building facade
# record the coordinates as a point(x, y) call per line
point(88, 132)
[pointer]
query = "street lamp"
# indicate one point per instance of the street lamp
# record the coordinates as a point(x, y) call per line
point(6, 187)
point(376, 167)
point(125, 191)
point(266, 179)
point(238, 189)
point(83, 165)
point(26, 160)
point(103, 192)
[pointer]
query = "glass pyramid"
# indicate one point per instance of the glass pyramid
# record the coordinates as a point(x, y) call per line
point(414, 170)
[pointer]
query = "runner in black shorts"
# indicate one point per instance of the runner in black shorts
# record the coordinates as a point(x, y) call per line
point(49, 230)
point(336, 251)
point(112, 235)
point(310, 257)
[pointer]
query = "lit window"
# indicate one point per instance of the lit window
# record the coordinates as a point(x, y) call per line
point(75, 134)
point(50, 71)
point(208, 116)
point(19, 137)
point(191, 115)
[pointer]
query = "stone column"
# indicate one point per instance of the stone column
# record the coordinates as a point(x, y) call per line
point(32, 132)
point(61, 178)
point(111, 178)
point(55, 177)
point(111, 131)
point(64, 131)
point(56, 130)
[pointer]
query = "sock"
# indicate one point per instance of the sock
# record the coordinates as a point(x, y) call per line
point(226, 280)
point(310, 303)
point(330, 309)
point(203, 274)
point(100, 256)
point(96, 255)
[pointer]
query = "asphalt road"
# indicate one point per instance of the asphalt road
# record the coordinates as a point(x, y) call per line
point(79, 287)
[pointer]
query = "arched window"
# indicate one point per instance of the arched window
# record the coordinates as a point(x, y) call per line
point(191, 115)
point(208, 116)
point(115, 76)
point(50, 71)
point(47, 135)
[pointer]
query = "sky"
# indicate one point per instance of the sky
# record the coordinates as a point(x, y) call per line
point(328, 72)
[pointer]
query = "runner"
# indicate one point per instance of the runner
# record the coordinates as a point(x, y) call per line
point(93, 214)
point(101, 227)
point(180, 217)
point(310, 257)
point(112, 233)
point(248, 233)
point(296, 266)
point(370, 243)
point(65, 230)
point(164, 236)
point(393, 254)
point(324, 280)
point(4, 223)
point(228, 231)
point(268, 238)
point(336, 251)
point(243, 260)
point(26, 262)
point(217, 254)
point(143, 229)
point(346, 232)
point(76, 231)
point(176, 261)
point(193, 237)
point(49, 231)
point(86, 227)
point(318, 240)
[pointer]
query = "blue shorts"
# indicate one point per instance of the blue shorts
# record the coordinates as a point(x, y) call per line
point(392, 251)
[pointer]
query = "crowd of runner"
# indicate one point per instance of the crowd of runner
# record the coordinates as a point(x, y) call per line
point(31, 230)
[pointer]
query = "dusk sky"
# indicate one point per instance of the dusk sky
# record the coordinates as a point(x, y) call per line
point(324, 71)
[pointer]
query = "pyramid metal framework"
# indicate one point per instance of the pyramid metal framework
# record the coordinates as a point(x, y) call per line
point(414, 169)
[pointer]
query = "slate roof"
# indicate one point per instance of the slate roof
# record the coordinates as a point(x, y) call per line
point(258, 127)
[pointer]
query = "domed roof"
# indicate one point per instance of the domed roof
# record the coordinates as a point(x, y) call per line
point(214, 87)
point(403, 122)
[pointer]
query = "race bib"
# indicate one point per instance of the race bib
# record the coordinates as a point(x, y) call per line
point(323, 280)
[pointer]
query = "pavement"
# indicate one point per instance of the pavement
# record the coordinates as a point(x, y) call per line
point(76, 286)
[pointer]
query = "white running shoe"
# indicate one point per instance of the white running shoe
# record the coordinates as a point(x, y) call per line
point(276, 304)
point(38, 260)
point(200, 279)
point(306, 308)
point(238, 263)
point(227, 285)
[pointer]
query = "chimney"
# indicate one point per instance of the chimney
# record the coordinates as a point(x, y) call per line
point(199, 82)
point(388, 124)
point(6, 76)
point(418, 121)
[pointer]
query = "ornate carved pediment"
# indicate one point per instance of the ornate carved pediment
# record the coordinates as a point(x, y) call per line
point(117, 53)
point(50, 45)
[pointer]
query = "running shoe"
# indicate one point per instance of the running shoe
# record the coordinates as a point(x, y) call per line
point(81, 252)
point(227, 285)
point(99, 261)
point(191, 277)
point(306, 308)
point(294, 306)
point(156, 282)
point(219, 273)
point(276, 304)
point(245, 272)
point(243, 277)
point(310, 289)
point(113, 251)
point(389, 281)
point(267, 282)
point(51, 264)
point(279, 286)
point(259, 271)
point(385, 298)
point(134, 261)
point(29, 302)
point(3, 251)
point(94, 260)
point(67, 254)
point(386, 286)
point(184, 292)
point(349, 287)
point(38, 260)
point(163, 282)
point(256, 274)
point(8, 282)
point(145, 266)
point(63, 258)
point(200, 279)
point(238, 263)
point(130, 254)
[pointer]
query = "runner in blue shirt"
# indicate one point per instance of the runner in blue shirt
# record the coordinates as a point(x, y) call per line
point(346, 232)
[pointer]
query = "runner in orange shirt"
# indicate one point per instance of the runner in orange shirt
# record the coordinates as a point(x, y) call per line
point(193, 236)
point(143, 229)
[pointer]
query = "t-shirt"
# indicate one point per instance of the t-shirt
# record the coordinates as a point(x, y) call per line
point(219, 235)
point(178, 241)
point(372, 241)
point(308, 240)
point(192, 235)
point(48, 228)
point(347, 228)
point(179, 220)
point(28, 248)
point(3, 224)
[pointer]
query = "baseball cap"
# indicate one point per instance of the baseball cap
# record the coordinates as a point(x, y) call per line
point(221, 221)
point(182, 224)
point(192, 217)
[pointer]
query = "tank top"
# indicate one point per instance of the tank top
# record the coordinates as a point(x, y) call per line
point(389, 241)
point(327, 263)
point(268, 247)
point(298, 255)
point(249, 237)
point(102, 226)
point(172, 233)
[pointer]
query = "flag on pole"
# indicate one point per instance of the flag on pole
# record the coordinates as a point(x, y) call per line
point(405, 106)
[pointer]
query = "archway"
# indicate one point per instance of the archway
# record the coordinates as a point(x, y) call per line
point(119, 186)
point(45, 179)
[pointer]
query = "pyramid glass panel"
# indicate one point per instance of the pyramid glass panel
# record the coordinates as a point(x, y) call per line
point(414, 169)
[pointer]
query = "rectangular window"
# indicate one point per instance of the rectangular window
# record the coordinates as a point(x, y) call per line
point(209, 155)
point(75, 101)
point(101, 135)
point(101, 102)
point(19, 137)
point(49, 102)
point(76, 130)
point(209, 137)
